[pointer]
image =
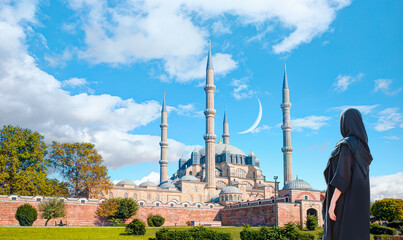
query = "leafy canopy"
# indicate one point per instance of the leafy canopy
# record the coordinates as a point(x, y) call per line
point(52, 208)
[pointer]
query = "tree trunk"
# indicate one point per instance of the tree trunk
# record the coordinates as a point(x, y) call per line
point(46, 223)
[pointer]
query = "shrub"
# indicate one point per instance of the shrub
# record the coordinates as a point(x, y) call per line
point(395, 224)
point(289, 232)
point(401, 230)
point(155, 220)
point(199, 232)
point(378, 229)
point(126, 209)
point(311, 222)
point(136, 227)
point(26, 215)
point(388, 209)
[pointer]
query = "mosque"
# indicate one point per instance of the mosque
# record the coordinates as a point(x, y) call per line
point(221, 173)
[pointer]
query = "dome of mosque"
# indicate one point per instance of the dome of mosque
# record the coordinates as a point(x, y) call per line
point(167, 184)
point(148, 184)
point(221, 147)
point(126, 182)
point(297, 184)
point(189, 178)
point(231, 189)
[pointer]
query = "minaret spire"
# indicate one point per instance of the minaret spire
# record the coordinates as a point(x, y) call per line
point(164, 143)
point(210, 137)
point(286, 127)
point(225, 135)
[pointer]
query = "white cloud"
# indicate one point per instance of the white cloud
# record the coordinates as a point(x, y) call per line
point(311, 122)
point(241, 89)
point(384, 86)
point(364, 109)
point(152, 177)
point(394, 138)
point(188, 110)
point(219, 28)
point(75, 82)
point(388, 119)
point(32, 98)
point(388, 186)
point(344, 81)
point(261, 128)
point(174, 31)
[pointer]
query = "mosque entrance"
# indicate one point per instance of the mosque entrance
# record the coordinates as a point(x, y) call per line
point(312, 211)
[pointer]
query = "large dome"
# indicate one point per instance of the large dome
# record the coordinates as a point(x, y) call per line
point(190, 178)
point(125, 182)
point(220, 147)
point(297, 184)
point(167, 184)
point(231, 189)
point(148, 184)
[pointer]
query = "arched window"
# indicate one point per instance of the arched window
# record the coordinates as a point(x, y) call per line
point(126, 195)
point(191, 198)
point(199, 198)
point(226, 198)
point(220, 185)
point(148, 197)
point(230, 197)
point(190, 173)
point(134, 196)
point(248, 186)
point(240, 173)
point(306, 197)
point(110, 195)
point(157, 197)
point(195, 189)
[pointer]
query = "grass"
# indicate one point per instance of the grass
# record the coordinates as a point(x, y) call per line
point(115, 233)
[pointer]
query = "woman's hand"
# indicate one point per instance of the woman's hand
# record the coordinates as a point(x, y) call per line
point(331, 211)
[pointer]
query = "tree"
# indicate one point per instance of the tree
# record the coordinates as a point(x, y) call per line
point(107, 209)
point(311, 222)
point(82, 168)
point(127, 208)
point(388, 209)
point(26, 215)
point(52, 208)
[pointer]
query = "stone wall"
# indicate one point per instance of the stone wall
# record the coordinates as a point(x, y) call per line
point(81, 211)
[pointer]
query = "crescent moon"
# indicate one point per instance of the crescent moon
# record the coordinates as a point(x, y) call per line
point(259, 117)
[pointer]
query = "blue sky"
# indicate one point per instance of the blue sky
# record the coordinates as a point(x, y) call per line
point(96, 71)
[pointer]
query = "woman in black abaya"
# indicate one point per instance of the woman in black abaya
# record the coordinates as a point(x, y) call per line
point(346, 207)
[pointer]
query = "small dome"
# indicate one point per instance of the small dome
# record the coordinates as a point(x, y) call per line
point(125, 182)
point(190, 178)
point(231, 189)
point(148, 184)
point(297, 184)
point(167, 184)
point(220, 147)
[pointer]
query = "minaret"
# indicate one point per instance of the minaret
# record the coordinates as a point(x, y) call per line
point(225, 135)
point(210, 137)
point(163, 143)
point(286, 149)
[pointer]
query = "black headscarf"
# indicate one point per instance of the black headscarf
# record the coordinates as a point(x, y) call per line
point(354, 134)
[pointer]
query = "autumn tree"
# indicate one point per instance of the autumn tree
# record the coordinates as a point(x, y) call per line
point(23, 166)
point(52, 208)
point(82, 168)
point(107, 209)
point(388, 209)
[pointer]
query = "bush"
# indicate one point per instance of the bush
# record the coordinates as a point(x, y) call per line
point(311, 222)
point(395, 224)
point(155, 220)
point(387, 237)
point(126, 209)
point(378, 229)
point(136, 227)
point(401, 230)
point(199, 232)
point(26, 215)
point(388, 209)
point(289, 232)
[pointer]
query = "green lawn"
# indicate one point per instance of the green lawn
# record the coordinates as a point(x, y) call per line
point(114, 233)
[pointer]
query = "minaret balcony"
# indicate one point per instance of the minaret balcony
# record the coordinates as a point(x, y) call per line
point(209, 112)
point(286, 105)
point(210, 137)
point(225, 135)
point(164, 144)
point(209, 87)
point(163, 162)
point(164, 125)
point(287, 149)
point(286, 126)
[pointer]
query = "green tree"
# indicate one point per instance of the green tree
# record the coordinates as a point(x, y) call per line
point(311, 222)
point(82, 168)
point(52, 208)
point(26, 215)
point(107, 209)
point(127, 208)
point(388, 209)
point(23, 168)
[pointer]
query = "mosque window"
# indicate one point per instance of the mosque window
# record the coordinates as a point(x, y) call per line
point(134, 196)
point(195, 189)
point(248, 186)
point(110, 195)
point(226, 198)
point(126, 195)
point(190, 173)
point(157, 204)
point(199, 199)
point(157, 197)
point(141, 204)
point(240, 173)
point(172, 205)
point(191, 198)
point(221, 185)
point(148, 197)
point(211, 206)
point(186, 205)
point(230, 197)
point(306, 197)
point(286, 199)
point(198, 206)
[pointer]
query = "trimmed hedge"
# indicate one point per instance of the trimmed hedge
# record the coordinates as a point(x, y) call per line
point(288, 232)
point(136, 227)
point(195, 233)
point(155, 220)
point(395, 224)
point(26, 215)
point(378, 229)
